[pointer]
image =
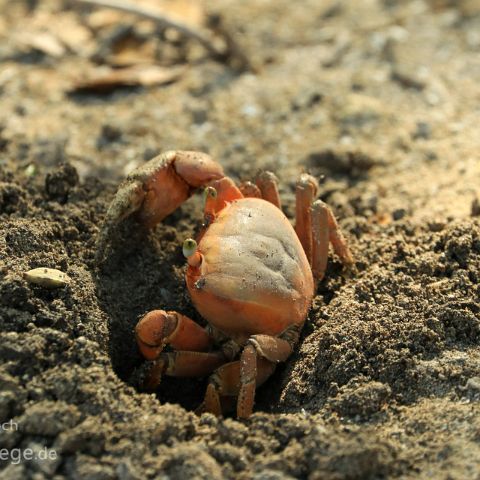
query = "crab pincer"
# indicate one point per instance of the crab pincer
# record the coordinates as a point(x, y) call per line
point(156, 189)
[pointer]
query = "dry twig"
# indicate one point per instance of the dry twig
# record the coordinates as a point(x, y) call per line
point(160, 19)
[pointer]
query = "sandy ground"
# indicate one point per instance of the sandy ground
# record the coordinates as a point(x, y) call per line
point(381, 100)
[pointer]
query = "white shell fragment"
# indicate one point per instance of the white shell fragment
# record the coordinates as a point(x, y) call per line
point(47, 277)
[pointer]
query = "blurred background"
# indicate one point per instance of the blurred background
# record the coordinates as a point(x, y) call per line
point(381, 89)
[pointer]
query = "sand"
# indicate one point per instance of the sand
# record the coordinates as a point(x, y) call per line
point(380, 101)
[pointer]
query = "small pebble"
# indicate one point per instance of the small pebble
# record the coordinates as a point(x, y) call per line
point(423, 131)
point(47, 277)
point(31, 170)
point(473, 384)
point(436, 225)
point(399, 213)
point(109, 134)
point(408, 78)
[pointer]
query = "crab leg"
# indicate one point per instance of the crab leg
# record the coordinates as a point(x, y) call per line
point(316, 227)
point(325, 229)
point(248, 380)
point(226, 382)
point(182, 364)
point(320, 239)
point(267, 182)
point(306, 191)
point(250, 190)
point(337, 239)
point(273, 349)
point(157, 188)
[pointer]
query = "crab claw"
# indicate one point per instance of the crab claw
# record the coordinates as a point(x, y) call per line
point(153, 332)
point(159, 328)
point(157, 188)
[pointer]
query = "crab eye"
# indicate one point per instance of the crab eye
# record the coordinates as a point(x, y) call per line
point(189, 247)
point(210, 192)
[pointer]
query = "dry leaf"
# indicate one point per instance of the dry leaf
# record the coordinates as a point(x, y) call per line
point(155, 75)
point(103, 18)
point(43, 41)
point(68, 30)
point(105, 80)
point(132, 51)
point(49, 33)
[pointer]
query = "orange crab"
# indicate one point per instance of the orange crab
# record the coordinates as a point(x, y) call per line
point(250, 274)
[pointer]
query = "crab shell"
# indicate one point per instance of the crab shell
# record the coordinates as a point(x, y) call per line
point(254, 277)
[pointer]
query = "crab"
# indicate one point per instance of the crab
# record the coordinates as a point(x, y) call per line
point(251, 275)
